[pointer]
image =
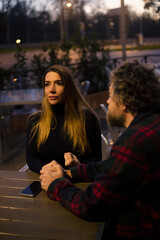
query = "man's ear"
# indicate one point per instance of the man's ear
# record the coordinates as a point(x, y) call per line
point(125, 109)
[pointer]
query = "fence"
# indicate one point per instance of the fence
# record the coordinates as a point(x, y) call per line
point(153, 59)
point(28, 78)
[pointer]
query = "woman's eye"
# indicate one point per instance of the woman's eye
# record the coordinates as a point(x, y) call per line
point(60, 83)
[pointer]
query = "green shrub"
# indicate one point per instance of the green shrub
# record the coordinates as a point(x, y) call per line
point(91, 65)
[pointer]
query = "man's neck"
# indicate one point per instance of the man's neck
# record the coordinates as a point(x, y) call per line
point(129, 119)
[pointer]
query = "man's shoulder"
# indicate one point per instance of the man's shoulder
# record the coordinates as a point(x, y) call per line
point(147, 122)
point(141, 129)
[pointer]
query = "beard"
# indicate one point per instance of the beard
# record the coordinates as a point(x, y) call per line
point(114, 120)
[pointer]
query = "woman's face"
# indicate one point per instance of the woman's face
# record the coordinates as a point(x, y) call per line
point(54, 88)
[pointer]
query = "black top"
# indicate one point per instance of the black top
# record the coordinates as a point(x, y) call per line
point(57, 144)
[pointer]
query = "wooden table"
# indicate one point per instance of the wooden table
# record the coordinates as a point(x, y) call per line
point(24, 218)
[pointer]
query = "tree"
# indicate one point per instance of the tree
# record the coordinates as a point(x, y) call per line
point(155, 4)
point(6, 6)
point(18, 18)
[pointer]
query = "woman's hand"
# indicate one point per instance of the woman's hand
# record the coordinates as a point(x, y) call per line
point(71, 160)
point(49, 173)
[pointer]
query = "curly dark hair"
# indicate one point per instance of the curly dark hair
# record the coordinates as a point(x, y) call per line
point(136, 86)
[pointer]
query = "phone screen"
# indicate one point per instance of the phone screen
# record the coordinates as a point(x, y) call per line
point(32, 190)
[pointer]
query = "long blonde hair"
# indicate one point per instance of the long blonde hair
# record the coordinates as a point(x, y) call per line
point(75, 121)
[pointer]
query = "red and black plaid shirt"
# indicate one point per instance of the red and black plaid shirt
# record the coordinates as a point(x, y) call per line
point(126, 187)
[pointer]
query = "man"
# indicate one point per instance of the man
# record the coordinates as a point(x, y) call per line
point(126, 187)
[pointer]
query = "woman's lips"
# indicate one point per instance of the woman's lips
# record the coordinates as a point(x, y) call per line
point(53, 98)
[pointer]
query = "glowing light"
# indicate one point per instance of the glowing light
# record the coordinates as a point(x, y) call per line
point(18, 41)
point(69, 4)
point(14, 79)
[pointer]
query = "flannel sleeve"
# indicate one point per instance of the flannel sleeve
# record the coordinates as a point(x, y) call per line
point(124, 176)
point(87, 172)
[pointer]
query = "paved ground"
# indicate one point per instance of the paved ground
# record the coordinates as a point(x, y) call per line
point(14, 149)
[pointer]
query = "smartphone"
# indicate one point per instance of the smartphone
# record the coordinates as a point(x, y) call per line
point(32, 190)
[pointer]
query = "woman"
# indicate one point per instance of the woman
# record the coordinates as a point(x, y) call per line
point(65, 125)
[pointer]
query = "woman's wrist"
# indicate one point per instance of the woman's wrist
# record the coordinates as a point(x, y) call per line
point(67, 174)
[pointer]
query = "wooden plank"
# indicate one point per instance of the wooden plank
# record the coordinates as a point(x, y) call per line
point(27, 176)
point(12, 191)
point(51, 231)
point(13, 237)
point(63, 218)
point(4, 236)
point(28, 202)
point(14, 183)
point(10, 236)
point(18, 175)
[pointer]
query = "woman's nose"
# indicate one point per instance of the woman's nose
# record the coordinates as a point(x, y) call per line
point(52, 88)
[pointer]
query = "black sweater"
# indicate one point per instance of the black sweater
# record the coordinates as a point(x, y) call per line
point(57, 144)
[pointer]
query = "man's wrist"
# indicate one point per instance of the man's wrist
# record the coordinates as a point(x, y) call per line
point(52, 187)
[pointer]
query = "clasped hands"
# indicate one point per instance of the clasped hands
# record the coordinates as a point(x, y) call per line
point(54, 170)
point(49, 173)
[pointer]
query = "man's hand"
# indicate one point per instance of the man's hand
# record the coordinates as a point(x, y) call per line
point(50, 166)
point(70, 160)
point(49, 173)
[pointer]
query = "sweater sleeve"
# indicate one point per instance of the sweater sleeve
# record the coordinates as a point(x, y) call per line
point(32, 155)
